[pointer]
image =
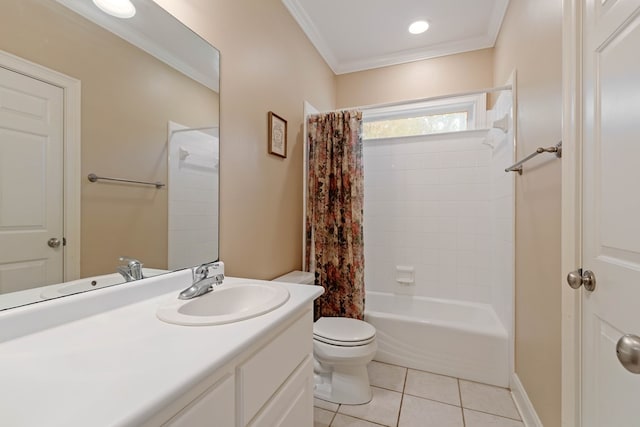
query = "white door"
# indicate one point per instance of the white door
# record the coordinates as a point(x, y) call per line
point(611, 208)
point(31, 182)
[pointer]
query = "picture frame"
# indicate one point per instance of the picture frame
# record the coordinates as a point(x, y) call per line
point(277, 135)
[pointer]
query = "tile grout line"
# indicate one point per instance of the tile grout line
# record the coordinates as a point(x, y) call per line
point(464, 422)
point(495, 415)
point(404, 386)
point(357, 418)
point(461, 406)
point(334, 416)
point(433, 400)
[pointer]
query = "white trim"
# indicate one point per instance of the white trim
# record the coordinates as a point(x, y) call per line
point(444, 49)
point(421, 100)
point(481, 41)
point(513, 82)
point(307, 110)
point(571, 221)
point(306, 24)
point(72, 118)
point(474, 105)
point(527, 411)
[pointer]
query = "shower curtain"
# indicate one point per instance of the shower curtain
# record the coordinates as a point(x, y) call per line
point(334, 227)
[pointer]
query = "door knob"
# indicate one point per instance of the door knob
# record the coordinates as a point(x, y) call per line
point(578, 278)
point(54, 243)
point(628, 351)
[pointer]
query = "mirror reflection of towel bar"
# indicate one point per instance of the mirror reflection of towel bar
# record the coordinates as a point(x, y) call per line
point(94, 178)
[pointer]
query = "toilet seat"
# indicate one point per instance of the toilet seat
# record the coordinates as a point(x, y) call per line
point(343, 331)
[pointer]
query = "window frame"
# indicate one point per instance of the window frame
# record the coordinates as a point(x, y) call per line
point(474, 105)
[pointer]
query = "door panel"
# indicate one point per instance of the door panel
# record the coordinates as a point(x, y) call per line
point(617, 66)
point(23, 188)
point(611, 208)
point(614, 391)
point(31, 181)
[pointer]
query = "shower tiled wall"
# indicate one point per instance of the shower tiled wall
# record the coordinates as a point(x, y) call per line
point(428, 206)
point(503, 216)
point(193, 202)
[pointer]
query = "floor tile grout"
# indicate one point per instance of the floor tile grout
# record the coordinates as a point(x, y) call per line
point(404, 392)
point(434, 400)
point(495, 415)
point(404, 387)
point(464, 422)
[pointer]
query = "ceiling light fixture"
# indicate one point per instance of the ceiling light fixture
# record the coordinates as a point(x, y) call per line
point(417, 27)
point(119, 8)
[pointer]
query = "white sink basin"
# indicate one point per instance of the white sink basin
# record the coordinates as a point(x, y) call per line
point(225, 304)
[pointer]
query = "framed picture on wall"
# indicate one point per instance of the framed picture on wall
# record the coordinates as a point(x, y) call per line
point(277, 135)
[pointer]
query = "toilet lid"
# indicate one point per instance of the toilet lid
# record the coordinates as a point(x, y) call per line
point(343, 331)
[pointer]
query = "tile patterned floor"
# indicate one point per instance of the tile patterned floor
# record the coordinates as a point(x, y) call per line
point(405, 397)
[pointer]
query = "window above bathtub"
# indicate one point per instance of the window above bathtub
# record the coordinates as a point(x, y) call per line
point(444, 115)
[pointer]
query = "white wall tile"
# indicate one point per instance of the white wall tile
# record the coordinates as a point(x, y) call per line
point(429, 204)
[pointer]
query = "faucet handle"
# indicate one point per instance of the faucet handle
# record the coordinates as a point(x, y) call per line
point(203, 270)
point(130, 262)
point(131, 266)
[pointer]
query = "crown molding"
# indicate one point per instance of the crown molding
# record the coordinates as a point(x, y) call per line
point(343, 67)
point(413, 55)
point(312, 33)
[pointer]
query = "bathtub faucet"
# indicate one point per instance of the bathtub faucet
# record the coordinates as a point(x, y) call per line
point(130, 269)
point(203, 280)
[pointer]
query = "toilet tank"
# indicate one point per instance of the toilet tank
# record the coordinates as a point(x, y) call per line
point(302, 277)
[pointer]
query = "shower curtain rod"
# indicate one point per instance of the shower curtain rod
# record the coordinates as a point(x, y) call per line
point(415, 101)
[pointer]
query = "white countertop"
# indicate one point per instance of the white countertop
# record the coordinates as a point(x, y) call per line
point(117, 367)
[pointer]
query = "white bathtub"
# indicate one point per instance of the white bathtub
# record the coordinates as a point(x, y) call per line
point(460, 339)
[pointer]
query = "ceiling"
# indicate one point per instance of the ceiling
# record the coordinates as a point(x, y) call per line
point(355, 35)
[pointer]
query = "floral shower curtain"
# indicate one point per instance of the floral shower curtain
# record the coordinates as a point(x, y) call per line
point(334, 227)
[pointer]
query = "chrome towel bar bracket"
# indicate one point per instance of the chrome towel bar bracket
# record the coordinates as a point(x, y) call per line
point(517, 167)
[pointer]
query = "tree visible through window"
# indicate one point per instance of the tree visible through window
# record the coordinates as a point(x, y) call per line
point(412, 126)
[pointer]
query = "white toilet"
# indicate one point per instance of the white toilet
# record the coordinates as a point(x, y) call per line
point(342, 348)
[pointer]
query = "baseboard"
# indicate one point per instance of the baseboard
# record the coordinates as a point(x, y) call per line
point(529, 416)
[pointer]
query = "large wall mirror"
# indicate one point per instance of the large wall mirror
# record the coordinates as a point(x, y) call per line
point(139, 98)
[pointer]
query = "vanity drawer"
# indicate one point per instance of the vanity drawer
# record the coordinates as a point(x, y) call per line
point(260, 376)
point(292, 406)
point(214, 407)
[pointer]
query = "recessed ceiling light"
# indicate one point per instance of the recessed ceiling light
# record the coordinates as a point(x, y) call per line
point(418, 27)
point(118, 8)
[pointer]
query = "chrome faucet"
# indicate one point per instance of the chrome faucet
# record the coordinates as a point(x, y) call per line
point(130, 269)
point(202, 281)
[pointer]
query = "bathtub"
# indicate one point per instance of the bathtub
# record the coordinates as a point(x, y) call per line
point(459, 339)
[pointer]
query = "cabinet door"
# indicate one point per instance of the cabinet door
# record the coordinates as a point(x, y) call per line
point(213, 408)
point(292, 406)
point(260, 377)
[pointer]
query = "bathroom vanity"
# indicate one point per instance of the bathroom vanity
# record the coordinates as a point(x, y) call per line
point(103, 358)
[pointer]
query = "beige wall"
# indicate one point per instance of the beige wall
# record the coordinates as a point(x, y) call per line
point(530, 41)
point(268, 64)
point(433, 77)
point(127, 99)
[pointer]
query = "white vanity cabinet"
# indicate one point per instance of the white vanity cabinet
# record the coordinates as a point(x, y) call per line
point(268, 385)
point(215, 407)
point(144, 372)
